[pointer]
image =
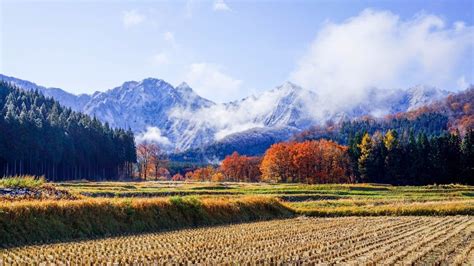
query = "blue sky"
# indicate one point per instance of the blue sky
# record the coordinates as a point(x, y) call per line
point(228, 50)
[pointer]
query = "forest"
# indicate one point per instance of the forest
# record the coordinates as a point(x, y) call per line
point(40, 137)
point(378, 158)
point(409, 160)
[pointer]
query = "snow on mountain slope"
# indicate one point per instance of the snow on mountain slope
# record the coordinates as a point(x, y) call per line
point(421, 95)
point(180, 119)
point(147, 105)
point(284, 106)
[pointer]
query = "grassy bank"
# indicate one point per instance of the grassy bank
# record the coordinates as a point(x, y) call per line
point(46, 221)
point(383, 208)
point(22, 182)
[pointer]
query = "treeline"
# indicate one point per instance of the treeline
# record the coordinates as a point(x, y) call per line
point(407, 159)
point(40, 137)
point(234, 168)
point(432, 124)
point(390, 158)
point(311, 162)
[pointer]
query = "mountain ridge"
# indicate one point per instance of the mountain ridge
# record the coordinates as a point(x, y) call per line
point(186, 120)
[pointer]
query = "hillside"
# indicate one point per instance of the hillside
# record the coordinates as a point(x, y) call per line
point(452, 113)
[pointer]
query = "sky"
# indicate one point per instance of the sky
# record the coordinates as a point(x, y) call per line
point(227, 50)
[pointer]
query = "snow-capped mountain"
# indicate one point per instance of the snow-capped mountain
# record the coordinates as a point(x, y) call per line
point(180, 119)
point(148, 104)
point(286, 105)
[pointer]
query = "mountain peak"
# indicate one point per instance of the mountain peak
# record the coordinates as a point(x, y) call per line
point(289, 88)
point(128, 84)
point(184, 87)
point(290, 84)
point(155, 82)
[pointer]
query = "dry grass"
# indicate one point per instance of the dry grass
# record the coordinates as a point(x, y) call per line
point(347, 241)
point(383, 208)
point(45, 221)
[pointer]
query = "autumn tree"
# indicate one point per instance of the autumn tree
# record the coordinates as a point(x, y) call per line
point(372, 159)
point(201, 174)
point(188, 175)
point(241, 168)
point(393, 158)
point(366, 158)
point(277, 164)
point(217, 177)
point(320, 161)
point(178, 177)
point(151, 161)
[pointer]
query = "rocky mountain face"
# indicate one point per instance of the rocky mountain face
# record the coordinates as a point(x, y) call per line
point(181, 120)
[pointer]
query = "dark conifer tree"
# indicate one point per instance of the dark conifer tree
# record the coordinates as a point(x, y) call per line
point(40, 137)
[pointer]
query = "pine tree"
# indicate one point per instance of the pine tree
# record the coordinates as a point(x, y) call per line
point(355, 153)
point(467, 158)
point(40, 137)
point(393, 159)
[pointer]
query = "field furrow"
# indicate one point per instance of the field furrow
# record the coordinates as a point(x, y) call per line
point(349, 241)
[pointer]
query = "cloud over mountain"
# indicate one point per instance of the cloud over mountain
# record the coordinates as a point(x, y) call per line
point(378, 49)
point(211, 82)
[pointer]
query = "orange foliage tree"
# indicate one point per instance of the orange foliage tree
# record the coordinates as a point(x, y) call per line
point(201, 174)
point(277, 163)
point(312, 162)
point(177, 177)
point(241, 168)
point(151, 161)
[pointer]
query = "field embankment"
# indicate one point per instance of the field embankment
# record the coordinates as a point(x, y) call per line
point(29, 222)
point(383, 208)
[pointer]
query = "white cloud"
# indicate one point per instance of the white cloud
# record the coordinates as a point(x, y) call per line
point(152, 134)
point(168, 36)
point(210, 82)
point(160, 58)
point(462, 83)
point(378, 49)
point(220, 5)
point(189, 8)
point(251, 112)
point(459, 25)
point(132, 18)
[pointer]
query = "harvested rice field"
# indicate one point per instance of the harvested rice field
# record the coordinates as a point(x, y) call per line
point(348, 240)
